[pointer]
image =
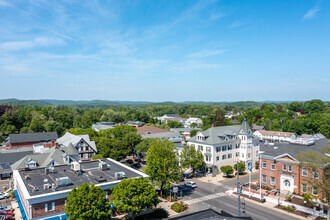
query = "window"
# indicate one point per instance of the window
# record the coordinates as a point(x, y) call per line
point(230, 147)
point(218, 149)
point(264, 164)
point(315, 175)
point(200, 147)
point(273, 166)
point(290, 168)
point(50, 206)
point(224, 157)
point(106, 194)
point(272, 180)
point(207, 158)
point(230, 156)
point(218, 158)
point(284, 167)
point(264, 178)
point(237, 145)
point(315, 191)
point(304, 172)
point(224, 148)
point(237, 154)
point(304, 188)
point(249, 155)
point(242, 154)
point(208, 149)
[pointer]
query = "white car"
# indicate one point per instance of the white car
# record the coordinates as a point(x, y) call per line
point(4, 195)
point(190, 184)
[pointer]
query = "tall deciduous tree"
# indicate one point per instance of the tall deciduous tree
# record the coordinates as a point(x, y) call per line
point(87, 202)
point(162, 163)
point(318, 167)
point(241, 167)
point(133, 195)
point(191, 158)
point(132, 139)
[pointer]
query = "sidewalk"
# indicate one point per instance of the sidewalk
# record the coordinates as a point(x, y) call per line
point(219, 177)
point(17, 212)
point(272, 201)
point(167, 206)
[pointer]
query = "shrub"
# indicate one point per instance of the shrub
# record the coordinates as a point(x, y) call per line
point(263, 186)
point(241, 167)
point(288, 208)
point(289, 198)
point(178, 207)
point(227, 169)
point(257, 165)
point(294, 193)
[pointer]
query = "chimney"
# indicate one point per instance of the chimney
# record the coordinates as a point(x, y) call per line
point(56, 145)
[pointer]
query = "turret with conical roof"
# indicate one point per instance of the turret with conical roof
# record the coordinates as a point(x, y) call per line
point(245, 127)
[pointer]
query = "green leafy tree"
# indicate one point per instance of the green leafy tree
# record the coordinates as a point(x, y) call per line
point(227, 169)
point(193, 132)
point(162, 163)
point(132, 139)
point(87, 202)
point(219, 118)
point(315, 105)
point(318, 167)
point(191, 158)
point(143, 147)
point(174, 124)
point(193, 125)
point(241, 167)
point(133, 195)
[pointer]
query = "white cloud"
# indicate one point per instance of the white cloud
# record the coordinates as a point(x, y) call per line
point(30, 44)
point(237, 24)
point(311, 13)
point(206, 53)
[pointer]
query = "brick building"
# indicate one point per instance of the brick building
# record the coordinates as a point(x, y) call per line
point(42, 193)
point(280, 169)
point(29, 139)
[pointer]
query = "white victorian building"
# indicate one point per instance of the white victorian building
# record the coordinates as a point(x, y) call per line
point(226, 145)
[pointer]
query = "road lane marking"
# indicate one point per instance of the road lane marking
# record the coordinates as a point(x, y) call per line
point(205, 198)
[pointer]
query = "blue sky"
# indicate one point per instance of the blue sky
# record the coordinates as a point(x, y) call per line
point(165, 50)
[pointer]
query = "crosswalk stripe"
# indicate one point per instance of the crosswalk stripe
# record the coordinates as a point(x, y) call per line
point(204, 198)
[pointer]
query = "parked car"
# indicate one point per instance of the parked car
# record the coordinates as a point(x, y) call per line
point(5, 208)
point(6, 215)
point(129, 161)
point(138, 160)
point(136, 165)
point(4, 195)
point(190, 184)
point(187, 175)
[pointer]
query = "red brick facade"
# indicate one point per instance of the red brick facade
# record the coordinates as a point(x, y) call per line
point(287, 168)
point(39, 209)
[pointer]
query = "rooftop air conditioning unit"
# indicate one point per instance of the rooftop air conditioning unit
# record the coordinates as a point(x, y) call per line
point(103, 166)
point(47, 186)
point(120, 175)
point(75, 166)
point(63, 181)
point(51, 169)
point(27, 177)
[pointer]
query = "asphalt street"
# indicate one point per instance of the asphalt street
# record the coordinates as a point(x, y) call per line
point(212, 195)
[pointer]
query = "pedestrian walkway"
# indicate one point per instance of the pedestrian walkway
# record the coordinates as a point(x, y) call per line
point(205, 198)
point(222, 185)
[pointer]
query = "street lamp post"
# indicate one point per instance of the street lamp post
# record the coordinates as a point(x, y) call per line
point(260, 170)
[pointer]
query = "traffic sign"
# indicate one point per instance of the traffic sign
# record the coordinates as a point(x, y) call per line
point(250, 166)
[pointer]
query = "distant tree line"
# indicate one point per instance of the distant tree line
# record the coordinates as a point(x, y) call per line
point(299, 117)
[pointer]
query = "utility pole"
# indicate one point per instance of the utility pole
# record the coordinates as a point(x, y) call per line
point(238, 191)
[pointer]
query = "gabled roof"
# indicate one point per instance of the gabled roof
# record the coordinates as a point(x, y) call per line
point(69, 138)
point(149, 129)
point(13, 156)
point(53, 154)
point(32, 137)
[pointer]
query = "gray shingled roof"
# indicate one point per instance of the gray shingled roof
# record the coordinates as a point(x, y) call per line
point(292, 149)
point(32, 137)
point(13, 156)
point(161, 135)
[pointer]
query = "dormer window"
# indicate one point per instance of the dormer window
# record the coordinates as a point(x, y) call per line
point(200, 138)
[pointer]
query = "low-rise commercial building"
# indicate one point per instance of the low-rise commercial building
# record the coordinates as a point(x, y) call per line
point(281, 169)
point(275, 136)
point(42, 193)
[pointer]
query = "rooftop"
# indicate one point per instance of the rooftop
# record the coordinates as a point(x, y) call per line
point(32, 137)
point(162, 135)
point(277, 149)
point(275, 133)
point(149, 129)
point(90, 173)
point(10, 156)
